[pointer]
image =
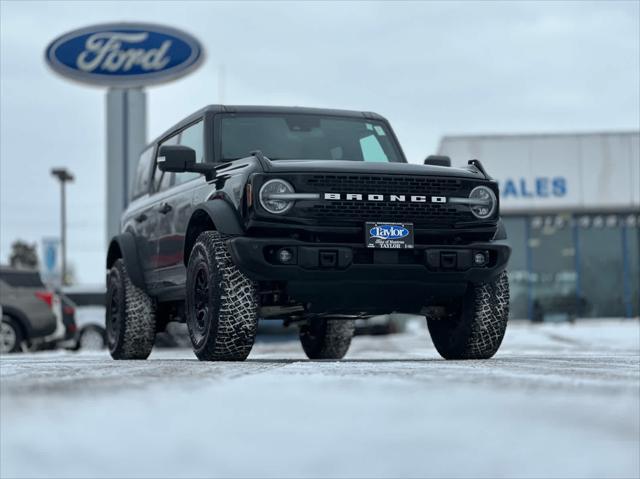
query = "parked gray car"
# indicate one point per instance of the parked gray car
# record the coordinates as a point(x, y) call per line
point(27, 310)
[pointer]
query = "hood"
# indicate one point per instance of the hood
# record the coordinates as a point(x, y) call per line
point(361, 167)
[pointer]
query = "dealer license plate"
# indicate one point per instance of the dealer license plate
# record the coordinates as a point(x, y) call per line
point(389, 235)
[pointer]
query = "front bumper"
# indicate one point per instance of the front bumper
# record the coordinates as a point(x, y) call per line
point(340, 262)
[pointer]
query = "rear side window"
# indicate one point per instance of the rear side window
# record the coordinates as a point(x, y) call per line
point(143, 173)
point(161, 179)
point(193, 137)
point(22, 279)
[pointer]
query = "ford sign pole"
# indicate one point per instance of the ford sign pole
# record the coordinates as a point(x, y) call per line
point(124, 57)
point(126, 137)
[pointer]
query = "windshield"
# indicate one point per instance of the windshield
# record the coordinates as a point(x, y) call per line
point(307, 137)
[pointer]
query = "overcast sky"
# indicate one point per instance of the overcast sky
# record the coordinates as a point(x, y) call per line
point(431, 68)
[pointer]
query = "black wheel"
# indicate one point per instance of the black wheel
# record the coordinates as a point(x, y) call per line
point(326, 338)
point(92, 338)
point(130, 316)
point(221, 303)
point(475, 328)
point(10, 335)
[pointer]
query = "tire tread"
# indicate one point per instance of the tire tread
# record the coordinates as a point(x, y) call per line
point(138, 326)
point(237, 310)
point(479, 329)
point(330, 339)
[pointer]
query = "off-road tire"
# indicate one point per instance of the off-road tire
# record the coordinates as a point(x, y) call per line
point(475, 328)
point(11, 327)
point(130, 316)
point(326, 338)
point(221, 302)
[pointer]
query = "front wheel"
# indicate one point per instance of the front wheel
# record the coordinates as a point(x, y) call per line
point(475, 328)
point(221, 303)
point(326, 338)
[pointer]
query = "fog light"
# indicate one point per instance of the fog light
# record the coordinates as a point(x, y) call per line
point(479, 259)
point(285, 256)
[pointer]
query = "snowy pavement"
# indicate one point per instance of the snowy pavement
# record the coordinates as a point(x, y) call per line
point(556, 401)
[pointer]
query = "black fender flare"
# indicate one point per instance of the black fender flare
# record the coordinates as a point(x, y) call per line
point(501, 231)
point(224, 216)
point(216, 213)
point(124, 246)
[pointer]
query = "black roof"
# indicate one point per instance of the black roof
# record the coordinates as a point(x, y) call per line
point(268, 109)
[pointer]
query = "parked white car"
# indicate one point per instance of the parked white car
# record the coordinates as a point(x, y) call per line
point(90, 313)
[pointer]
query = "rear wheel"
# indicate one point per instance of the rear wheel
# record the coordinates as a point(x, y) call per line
point(475, 328)
point(10, 335)
point(326, 338)
point(221, 303)
point(92, 338)
point(130, 316)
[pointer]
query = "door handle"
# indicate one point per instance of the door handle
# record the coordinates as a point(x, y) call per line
point(165, 208)
point(140, 218)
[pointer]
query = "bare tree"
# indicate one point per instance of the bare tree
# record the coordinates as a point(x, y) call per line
point(23, 255)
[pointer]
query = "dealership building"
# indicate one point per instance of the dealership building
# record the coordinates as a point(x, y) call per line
point(571, 206)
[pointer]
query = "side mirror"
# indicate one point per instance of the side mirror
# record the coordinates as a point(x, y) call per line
point(437, 160)
point(176, 158)
point(179, 159)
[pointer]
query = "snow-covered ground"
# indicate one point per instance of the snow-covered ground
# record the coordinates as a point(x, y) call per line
point(557, 401)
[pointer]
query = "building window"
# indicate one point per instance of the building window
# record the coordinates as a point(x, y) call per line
point(631, 240)
point(601, 263)
point(567, 266)
point(517, 268)
point(552, 268)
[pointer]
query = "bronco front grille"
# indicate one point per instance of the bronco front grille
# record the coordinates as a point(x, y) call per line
point(418, 213)
point(426, 215)
point(383, 185)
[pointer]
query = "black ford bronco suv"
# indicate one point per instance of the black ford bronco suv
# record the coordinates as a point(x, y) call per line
point(309, 215)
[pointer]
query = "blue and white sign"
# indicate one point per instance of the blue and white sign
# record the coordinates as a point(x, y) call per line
point(538, 187)
point(50, 270)
point(124, 54)
point(557, 172)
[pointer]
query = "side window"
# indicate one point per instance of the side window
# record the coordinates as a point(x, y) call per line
point(141, 181)
point(193, 137)
point(162, 180)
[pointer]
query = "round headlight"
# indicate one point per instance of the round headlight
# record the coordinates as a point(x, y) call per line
point(271, 196)
point(488, 199)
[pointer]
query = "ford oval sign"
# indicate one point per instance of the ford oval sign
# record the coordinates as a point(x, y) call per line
point(124, 54)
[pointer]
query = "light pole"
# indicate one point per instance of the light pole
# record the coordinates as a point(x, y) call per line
point(63, 176)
